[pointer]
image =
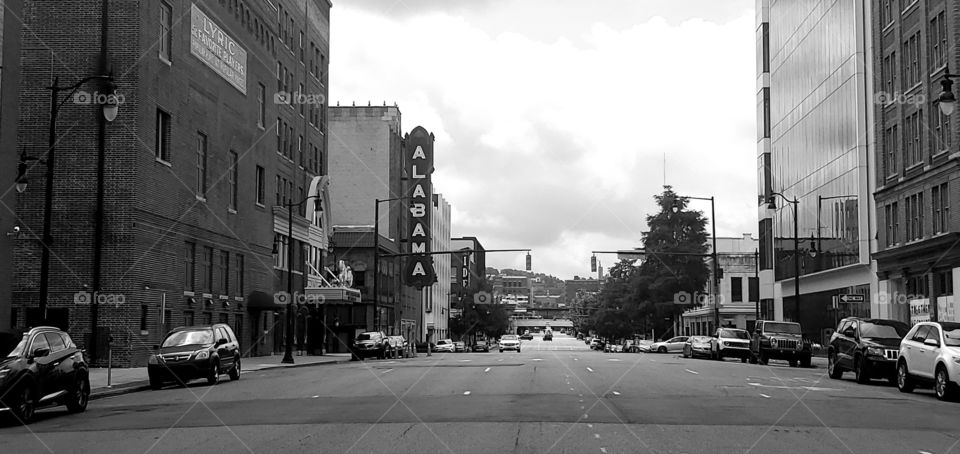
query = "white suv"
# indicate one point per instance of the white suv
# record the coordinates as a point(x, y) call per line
point(930, 353)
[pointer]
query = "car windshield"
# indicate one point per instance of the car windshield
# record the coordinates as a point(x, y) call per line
point(951, 334)
point(442, 342)
point(509, 338)
point(785, 328)
point(734, 334)
point(12, 345)
point(189, 337)
point(883, 330)
point(699, 339)
point(364, 337)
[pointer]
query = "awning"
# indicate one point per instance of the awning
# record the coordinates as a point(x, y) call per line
point(332, 295)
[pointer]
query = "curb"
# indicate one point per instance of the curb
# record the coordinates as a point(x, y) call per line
point(144, 385)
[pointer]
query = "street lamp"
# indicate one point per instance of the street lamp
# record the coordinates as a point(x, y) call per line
point(109, 111)
point(291, 326)
point(771, 204)
point(675, 207)
point(947, 100)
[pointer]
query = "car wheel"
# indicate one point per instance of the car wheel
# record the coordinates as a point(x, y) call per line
point(685, 354)
point(805, 361)
point(833, 369)
point(80, 396)
point(942, 385)
point(743, 359)
point(662, 350)
point(235, 372)
point(904, 382)
point(793, 363)
point(155, 383)
point(25, 405)
point(861, 368)
point(501, 350)
point(214, 377)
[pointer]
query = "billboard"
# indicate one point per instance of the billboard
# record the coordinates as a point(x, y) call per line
point(418, 150)
point(214, 47)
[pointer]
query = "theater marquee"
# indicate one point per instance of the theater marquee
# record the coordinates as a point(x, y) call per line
point(216, 49)
point(418, 145)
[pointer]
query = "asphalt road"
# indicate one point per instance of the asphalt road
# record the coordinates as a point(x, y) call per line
point(552, 397)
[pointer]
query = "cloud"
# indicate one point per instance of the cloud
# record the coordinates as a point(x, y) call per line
point(556, 141)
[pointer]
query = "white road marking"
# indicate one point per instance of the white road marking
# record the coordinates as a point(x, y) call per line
point(923, 452)
point(615, 393)
point(466, 393)
point(315, 397)
point(571, 389)
point(576, 359)
point(538, 359)
point(387, 371)
point(597, 436)
point(614, 359)
point(603, 450)
point(486, 370)
point(764, 395)
point(591, 370)
point(808, 388)
point(692, 372)
point(464, 360)
point(585, 416)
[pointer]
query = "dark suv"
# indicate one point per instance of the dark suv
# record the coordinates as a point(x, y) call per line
point(372, 344)
point(868, 347)
point(41, 368)
point(779, 340)
point(193, 352)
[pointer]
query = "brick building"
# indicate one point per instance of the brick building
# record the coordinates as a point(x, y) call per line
point(220, 125)
point(10, 11)
point(739, 294)
point(466, 269)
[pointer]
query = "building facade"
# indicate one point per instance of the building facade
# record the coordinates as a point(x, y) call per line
point(436, 298)
point(10, 11)
point(151, 228)
point(917, 172)
point(813, 141)
point(738, 295)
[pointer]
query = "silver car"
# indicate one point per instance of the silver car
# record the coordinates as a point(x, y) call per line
point(510, 342)
point(670, 345)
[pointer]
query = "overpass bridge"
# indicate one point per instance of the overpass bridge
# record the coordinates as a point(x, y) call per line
point(519, 325)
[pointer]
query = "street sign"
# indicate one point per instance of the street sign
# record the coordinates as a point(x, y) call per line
point(482, 298)
point(852, 298)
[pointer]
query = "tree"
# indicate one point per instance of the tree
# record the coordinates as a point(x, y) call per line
point(491, 320)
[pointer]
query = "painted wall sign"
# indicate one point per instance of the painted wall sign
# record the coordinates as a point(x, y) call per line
point(214, 47)
point(418, 147)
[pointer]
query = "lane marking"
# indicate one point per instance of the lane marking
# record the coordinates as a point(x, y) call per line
point(603, 450)
point(616, 393)
point(590, 426)
point(538, 359)
point(591, 370)
point(571, 389)
point(585, 416)
point(597, 436)
point(315, 397)
point(764, 395)
point(692, 372)
point(486, 370)
point(464, 360)
point(807, 388)
point(466, 393)
point(386, 371)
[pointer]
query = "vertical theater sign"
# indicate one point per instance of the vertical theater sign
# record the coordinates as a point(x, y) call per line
point(418, 146)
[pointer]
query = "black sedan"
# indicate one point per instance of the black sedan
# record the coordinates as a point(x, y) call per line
point(41, 368)
point(481, 346)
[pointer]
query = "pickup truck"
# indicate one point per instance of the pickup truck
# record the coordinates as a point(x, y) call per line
point(779, 340)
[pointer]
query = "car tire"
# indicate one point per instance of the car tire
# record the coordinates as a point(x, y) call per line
point(862, 370)
point(806, 361)
point(833, 369)
point(235, 372)
point(501, 350)
point(662, 350)
point(942, 387)
point(214, 376)
point(25, 406)
point(794, 363)
point(904, 382)
point(78, 399)
point(685, 355)
point(743, 359)
point(155, 383)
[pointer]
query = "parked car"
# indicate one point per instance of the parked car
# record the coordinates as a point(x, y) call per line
point(509, 342)
point(868, 347)
point(674, 344)
point(930, 355)
point(698, 346)
point(459, 347)
point(446, 346)
point(192, 352)
point(526, 336)
point(41, 368)
point(730, 342)
point(371, 344)
point(644, 345)
point(548, 336)
point(597, 344)
point(481, 346)
point(779, 340)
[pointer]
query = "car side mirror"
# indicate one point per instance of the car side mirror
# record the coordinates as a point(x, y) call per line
point(849, 332)
point(41, 352)
point(931, 342)
point(221, 342)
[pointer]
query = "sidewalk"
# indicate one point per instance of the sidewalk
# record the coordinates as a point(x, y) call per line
point(133, 379)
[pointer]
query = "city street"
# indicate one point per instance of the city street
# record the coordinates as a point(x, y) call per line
point(554, 396)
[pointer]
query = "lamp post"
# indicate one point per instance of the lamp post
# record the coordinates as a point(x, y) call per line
point(109, 110)
point(291, 326)
point(713, 254)
point(947, 100)
point(376, 259)
point(796, 245)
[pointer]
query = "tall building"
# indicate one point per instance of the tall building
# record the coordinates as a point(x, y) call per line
point(467, 269)
point(10, 11)
point(738, 291)
point(436, 298)
point(813, 143)
point(914, 46)
point(175, 213)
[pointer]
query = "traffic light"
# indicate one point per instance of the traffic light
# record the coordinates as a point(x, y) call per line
point(529, 262)
point(593, 264)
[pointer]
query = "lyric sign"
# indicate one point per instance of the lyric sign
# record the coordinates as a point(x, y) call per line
point(214, 47)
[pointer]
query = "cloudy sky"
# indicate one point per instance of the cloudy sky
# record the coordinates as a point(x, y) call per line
point(554, 118)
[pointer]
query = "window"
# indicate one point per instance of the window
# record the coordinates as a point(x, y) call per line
point(765, 113)
point(279, 191)
point(280, 258)
point(914, 211)
point(261, 105)
point(279, 136)
point(162, 141)
point(300, 149)
point(944, 282)
point(233, 175)
point(736, 289)
point(905, 4)
point(890, 217)
point(938, 41)
point(886, 13)
point(301, 47)
point(206, 269)
point(225, 319)
point(300, 95)
point(164, 42)
point(889, 69)
point(143, 317)
point(208, 318)
point(188, 318)
point(942, 140)
point(201, 165)
point(941, 208)
point(911, 139)
point(189, 264)
point(261, 186)
point(238, 278)
point(911, 61)
point(223, 273)
point(890, 151)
